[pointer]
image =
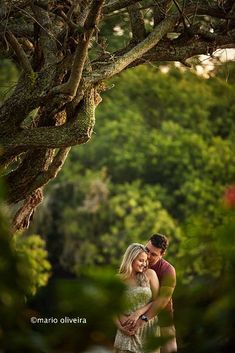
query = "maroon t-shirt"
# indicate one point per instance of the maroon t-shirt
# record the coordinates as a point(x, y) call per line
point(167, 277)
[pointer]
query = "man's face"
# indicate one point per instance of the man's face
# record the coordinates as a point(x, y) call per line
point(154, 254)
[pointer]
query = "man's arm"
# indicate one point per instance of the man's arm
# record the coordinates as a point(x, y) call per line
point(167, 286)
point(158, 304)
point(164, 296)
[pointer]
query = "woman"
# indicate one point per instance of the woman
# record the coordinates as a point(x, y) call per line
point(142, 288)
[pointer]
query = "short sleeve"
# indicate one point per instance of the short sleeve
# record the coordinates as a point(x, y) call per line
point(169, 277)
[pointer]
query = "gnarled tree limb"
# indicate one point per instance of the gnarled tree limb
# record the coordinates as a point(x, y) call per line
point(71, 86)
point(23, 216)
point(23, 59)
point(139, 50)
point(58, 136)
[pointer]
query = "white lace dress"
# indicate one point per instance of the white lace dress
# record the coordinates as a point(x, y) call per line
point(137, 297)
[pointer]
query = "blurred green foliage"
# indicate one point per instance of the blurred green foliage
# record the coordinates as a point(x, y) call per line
point(205, 308)
point(32, 248)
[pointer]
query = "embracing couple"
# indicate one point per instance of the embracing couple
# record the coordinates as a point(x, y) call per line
point(150, 281)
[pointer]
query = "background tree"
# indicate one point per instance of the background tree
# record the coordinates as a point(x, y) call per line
point(65, 52)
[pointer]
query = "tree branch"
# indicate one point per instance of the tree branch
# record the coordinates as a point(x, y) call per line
point(203, 8)
point(23, 215)
point(44, 177)
point(137, 22)
point(58, 136)
point(46, 38)
point(26, 96)
point(71, 86)
point(84, 11)
point(9, 156)
point(34, 194)
point(118, 4)
point(183, 17)
point(21, 55)
point(48, 137)
point(174, 51)
point(160, 10)
point(139, 50)
point(9, 8)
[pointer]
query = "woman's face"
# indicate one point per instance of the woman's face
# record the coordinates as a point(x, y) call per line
point(140, 262)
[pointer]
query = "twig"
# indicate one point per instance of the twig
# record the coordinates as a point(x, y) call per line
point(160, 10)
point(40, 25)
point(118, 4)
point(182, 14)
point(70, 22)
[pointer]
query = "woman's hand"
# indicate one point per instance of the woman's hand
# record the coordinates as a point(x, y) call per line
point(126, 330)
point(131, 320)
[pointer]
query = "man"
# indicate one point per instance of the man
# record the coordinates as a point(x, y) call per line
point(162, 306)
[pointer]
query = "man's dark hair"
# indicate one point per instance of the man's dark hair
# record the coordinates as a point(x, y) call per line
point(160, 241)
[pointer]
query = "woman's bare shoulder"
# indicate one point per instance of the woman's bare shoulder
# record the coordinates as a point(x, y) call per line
point(150, 273)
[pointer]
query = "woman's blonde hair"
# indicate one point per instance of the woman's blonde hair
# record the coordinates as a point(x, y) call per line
point(131, 253)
